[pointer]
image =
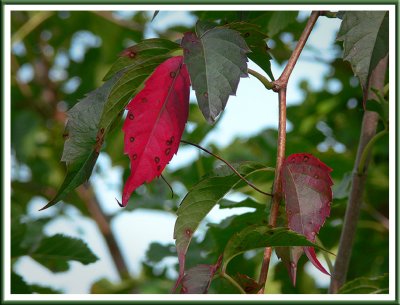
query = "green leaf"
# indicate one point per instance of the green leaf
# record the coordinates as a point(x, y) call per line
point(202, 198)
point(255, 40)
point(216, 59)
point(90, 120)
point(363, 285)
point(256, 236)
point(56, 251)
point(18, 285)
point(365, 36)
point(157, 252)
point(280, 20)
point(135, 55)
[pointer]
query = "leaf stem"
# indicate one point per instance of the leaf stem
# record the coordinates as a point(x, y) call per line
point(280, 86)
point(267, 84)
point(230, 166)
point(232, 281)
point(367, 150)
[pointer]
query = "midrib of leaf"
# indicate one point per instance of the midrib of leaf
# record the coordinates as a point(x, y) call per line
point(166, 100)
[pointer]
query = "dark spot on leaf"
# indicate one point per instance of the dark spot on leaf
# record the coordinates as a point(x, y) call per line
point(132, 54)
point(205, 94)
point(305, 158)
point(188, 232)
point(131, 116)
point(157, 159)
point(97, 139)
point(167, 151)
point(159, 167)
point(172, 74)
point(316, 176)
point(102, 130)
point(65, 135)
point(131, 139)
point(134, 157)
point(246, 34)
point(144, 100)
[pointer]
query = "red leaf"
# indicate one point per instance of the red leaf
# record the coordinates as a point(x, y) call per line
point(306, 185)
point(155, 122)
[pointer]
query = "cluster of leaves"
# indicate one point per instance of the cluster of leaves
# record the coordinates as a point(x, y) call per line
point(233, 236)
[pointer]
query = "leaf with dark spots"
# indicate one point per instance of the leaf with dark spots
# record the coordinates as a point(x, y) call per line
point(216, 59)
point(198, 278)
point(261, 236)
point(91, 119)
point(256, 41)
point(365, 36)
point(140, 53)
point(307, 189)
point(155, 122)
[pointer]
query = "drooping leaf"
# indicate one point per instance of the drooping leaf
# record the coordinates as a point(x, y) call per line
point(216, 59)
point(56, 251)
point(90, 120)
point(155, 122)
point(201, 199)
point(256, 236)
point(157, 252)
point(198, 278)
point(363, 285)
point(365, 36)
point(307, 189)
point(255, 40)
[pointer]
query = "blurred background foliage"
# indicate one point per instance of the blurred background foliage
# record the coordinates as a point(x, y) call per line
point(58, 57)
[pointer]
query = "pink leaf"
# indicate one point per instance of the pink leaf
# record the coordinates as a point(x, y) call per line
point(307, 189)
point(155, 122)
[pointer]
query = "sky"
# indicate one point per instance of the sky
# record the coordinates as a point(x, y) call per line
point(261, 111)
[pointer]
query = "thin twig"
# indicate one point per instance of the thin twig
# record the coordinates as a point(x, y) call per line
point(87, 195)
point(280, 87)
point(229, 165)
point(368, 131)
point(169, 185)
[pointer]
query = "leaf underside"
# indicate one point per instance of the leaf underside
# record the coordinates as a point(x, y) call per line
point(155, 122)
point(216, 59)
point(306, 186)
point(365, 36)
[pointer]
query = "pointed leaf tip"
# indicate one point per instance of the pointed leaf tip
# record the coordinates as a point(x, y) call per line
point(216, 60)
point(155, 122)
point(306, 184)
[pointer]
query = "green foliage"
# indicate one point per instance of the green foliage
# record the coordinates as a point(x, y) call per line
point(363, 285)
point(256, 236)
point(325, 123)
point(215, 58)
point(365, 37)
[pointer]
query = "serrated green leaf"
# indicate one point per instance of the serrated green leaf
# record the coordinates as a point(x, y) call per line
point(255, 40)
point(92, 118)
point(254, 237)
point(363, 285)
point(56, 251)
point(365, 36)
point(216, 59)
point(202, 198)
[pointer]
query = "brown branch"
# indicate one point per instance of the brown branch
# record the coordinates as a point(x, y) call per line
point(85, 192)
point(280, 87)
point(368, 131)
